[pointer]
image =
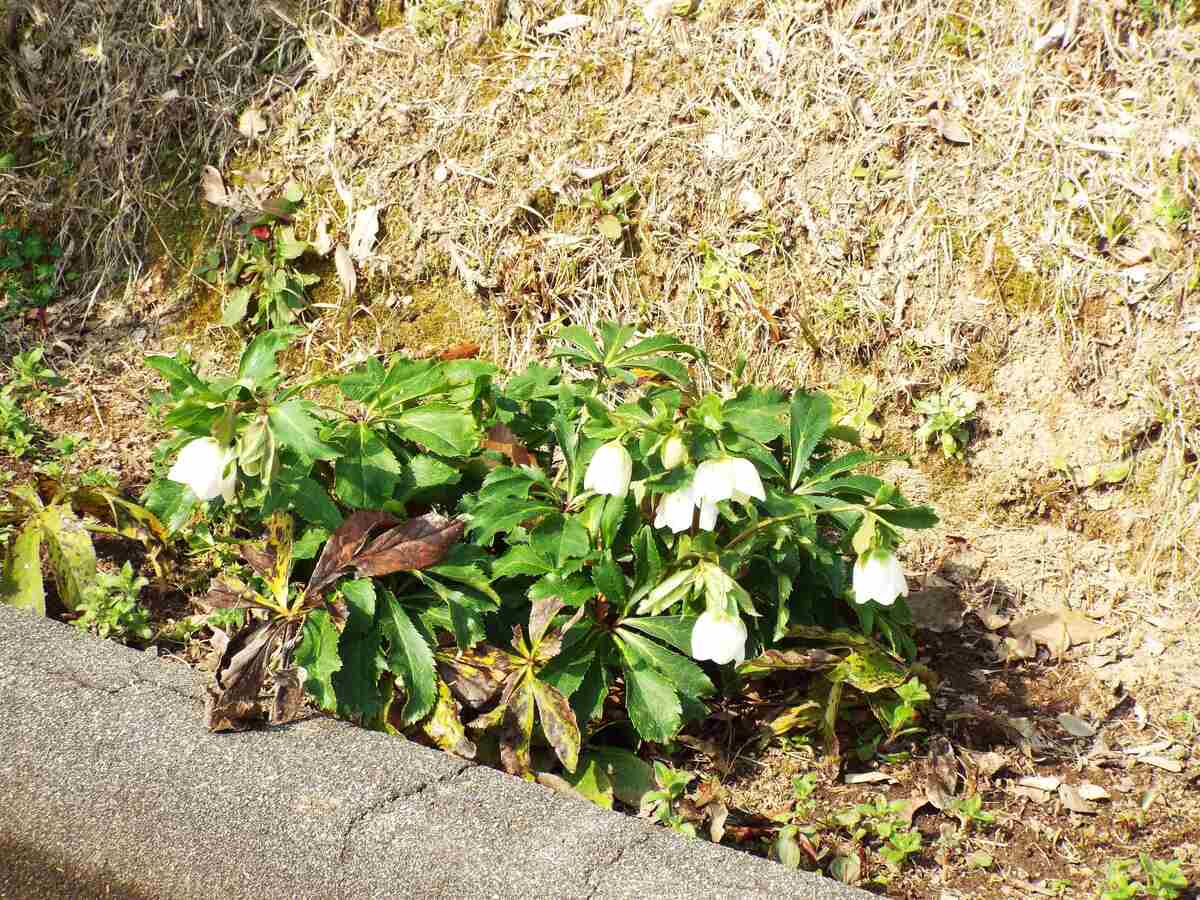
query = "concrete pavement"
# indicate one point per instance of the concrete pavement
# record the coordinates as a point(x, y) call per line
point(110, 786)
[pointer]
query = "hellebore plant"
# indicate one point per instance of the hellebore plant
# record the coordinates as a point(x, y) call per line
point(610, 535)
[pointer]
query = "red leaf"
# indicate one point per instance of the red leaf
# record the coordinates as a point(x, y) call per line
point(465, 350)
point(342, 547)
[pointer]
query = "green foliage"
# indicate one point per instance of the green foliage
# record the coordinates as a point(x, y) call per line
point(948, 413)
point(63, 529)
point(662, 805)
point(1160, 879)
point(611, 210)
point(29, 270)
point(110, 608)
point(550, 606)
point(264, 285)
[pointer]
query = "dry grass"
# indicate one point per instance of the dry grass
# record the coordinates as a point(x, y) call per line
point(111, 107)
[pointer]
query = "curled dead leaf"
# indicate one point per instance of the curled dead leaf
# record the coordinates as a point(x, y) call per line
point(252, 124)
point(949, 127)
point(212, 186)
point(1057, 630)
point(504, 440)
point(465, 350)
point(345, 269)
point(363, 232)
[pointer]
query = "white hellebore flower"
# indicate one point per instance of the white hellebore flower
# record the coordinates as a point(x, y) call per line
point(728, 478)
point(878, 576)
point(202, 466)
point(675, 510)
point(609, 471)
point(719, 637)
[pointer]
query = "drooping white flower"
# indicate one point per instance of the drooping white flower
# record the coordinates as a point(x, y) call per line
point(675, 510)
point(673, 452)
point(609, 471)
point(207, 468)
point(727, 478)
point(878, 576)
point(719, 637)
point(708, 515)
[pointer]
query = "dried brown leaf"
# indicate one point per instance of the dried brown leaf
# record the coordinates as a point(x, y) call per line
point(288, 702)
point(942, 780)
point(1070, 798)
point(502, 439)
point(465, 350)
point(1058, 630)
point(212, 187)
point(343, 545)
point(252, 124)
point(345, 270)
point(415, 544)
point(949, 127)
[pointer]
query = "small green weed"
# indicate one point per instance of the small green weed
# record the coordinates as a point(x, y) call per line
point(662, 804)
point(29, 270)
point(948, 413)
point(265, 286)
point(1163, 879)
point(611, 211)
point(110, 607)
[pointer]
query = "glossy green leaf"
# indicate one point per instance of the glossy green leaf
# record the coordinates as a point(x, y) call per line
point(367, 471)
point(439, 427)
point(810, 418)
point(317, 652)
point(295, 425)
point(673, 630)
point(679, 671)
point(652, 703)
point(171, 502)
point(409, 658)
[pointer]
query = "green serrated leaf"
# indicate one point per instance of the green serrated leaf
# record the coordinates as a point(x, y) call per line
point(367, 471)
point(21, 582)
point(679, 671)
point(439, 427)
point(409, 659)
point(317, 652)
point(295, 425)
point(810, 418)
point(652, 703)
point(673, 630)
point(171, 502)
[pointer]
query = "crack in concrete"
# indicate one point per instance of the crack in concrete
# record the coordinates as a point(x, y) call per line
point(598, 870)
point(82, 681)
point(390, 798)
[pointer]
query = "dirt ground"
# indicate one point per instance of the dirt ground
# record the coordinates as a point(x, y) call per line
point(877, 198)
